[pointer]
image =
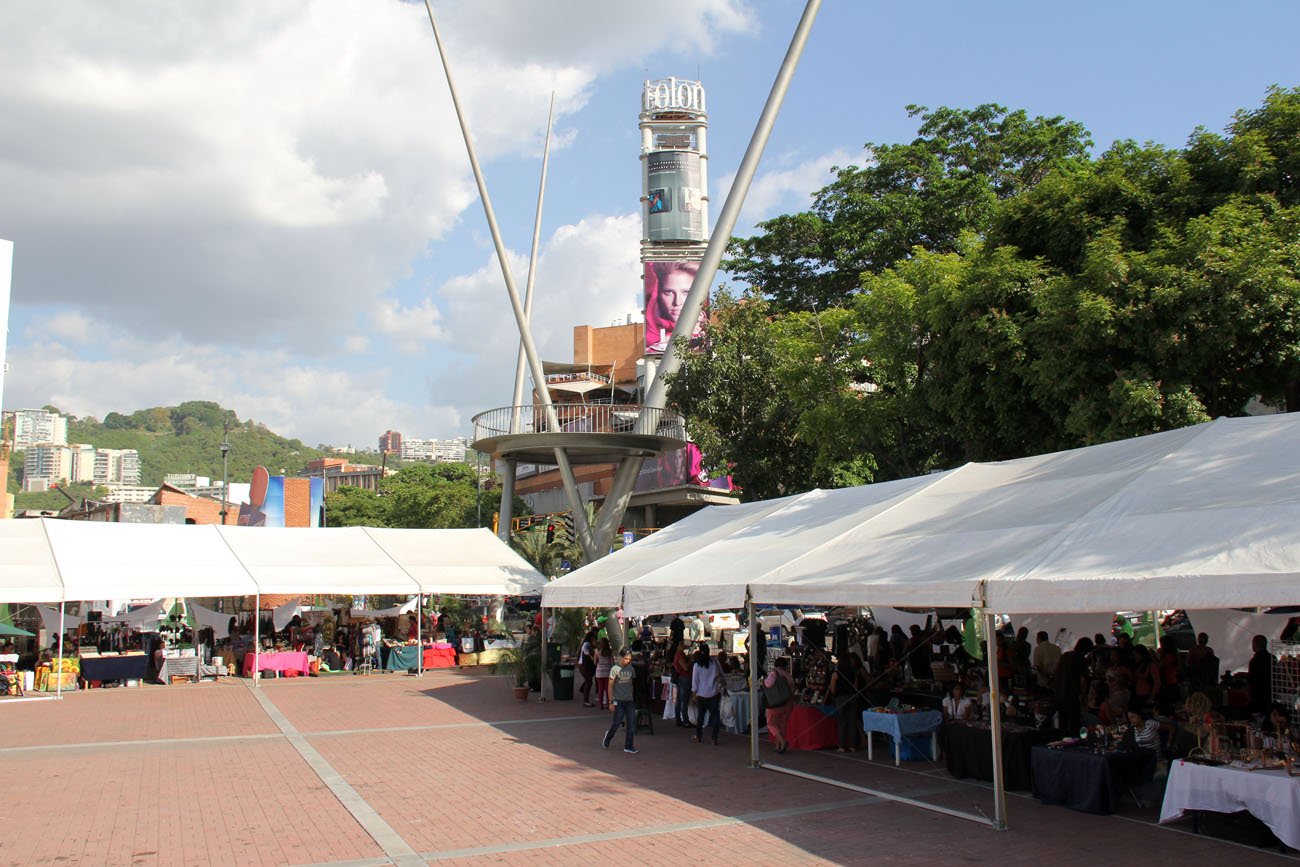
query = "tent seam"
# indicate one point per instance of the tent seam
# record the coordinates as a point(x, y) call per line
point(58, 567)
point(924, 488)
point(419, 588)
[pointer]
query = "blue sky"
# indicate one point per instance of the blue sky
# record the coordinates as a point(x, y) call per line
point(269, 205)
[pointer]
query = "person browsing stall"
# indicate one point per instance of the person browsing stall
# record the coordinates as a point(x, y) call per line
point(706, 693)
point(622, 678)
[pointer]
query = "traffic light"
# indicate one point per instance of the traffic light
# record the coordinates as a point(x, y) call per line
point(567, 528)
point(550, 533)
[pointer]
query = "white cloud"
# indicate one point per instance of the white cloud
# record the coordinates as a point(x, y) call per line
point(784, 190)
point(313, 402)
point(588, 274)
point(250, 167)
point(411, 329)
point(70, 325)
point(226, 201)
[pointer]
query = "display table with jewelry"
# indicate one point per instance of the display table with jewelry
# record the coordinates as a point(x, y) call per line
point(1090, 774)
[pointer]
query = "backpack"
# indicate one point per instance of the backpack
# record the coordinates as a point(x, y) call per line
point(779, 693)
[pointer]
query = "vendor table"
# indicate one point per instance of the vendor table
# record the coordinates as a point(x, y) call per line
point(440, 656)
point(402, 657)
point(130, 666)
point(1273, 797)
point(1083, 778)
point(734, 709)
point(284, 661)
point(968, 750)
point(812, 727)
point(899, 725)
point(178, 666)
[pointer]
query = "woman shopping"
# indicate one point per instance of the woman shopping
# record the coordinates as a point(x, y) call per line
point(706, 693)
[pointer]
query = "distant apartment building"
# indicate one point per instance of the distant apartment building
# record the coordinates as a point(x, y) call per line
point(83, 463)
point(443, 451)
point(185, 481)
point(390, 442)
point(337, 472)
point(129, 494)
point(34, 426)
point(117, 467)
point(45, 465)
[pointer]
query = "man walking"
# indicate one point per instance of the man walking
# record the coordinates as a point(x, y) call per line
point(621, 677)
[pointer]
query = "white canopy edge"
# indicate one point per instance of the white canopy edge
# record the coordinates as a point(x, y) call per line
point(1204, 517)
point(51, 560)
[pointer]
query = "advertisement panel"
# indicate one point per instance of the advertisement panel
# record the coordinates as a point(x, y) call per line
point(666, 287)
point(684, 466)
point(675, 209)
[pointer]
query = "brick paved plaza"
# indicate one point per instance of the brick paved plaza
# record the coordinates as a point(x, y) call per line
point(449, 769)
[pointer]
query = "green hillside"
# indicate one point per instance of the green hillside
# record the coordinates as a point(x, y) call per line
point(184, 439)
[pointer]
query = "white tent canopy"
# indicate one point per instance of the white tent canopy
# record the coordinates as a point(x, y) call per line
point(49, 560)
point(1204, 517)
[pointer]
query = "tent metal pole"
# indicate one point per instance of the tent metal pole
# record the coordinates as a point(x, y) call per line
point(58, 682)
point(756, 645)
point(995, 724)
point(419, 637)
point(257, 639)
point(542, 636)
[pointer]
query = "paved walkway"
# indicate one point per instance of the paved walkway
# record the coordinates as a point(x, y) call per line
point(450, 769)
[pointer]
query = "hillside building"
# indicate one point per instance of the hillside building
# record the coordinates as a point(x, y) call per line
point(36, 426)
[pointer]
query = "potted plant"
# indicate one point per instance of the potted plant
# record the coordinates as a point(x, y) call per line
point(523, 665)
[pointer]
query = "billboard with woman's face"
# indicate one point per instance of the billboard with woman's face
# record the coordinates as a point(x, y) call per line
point(666, 287)
point(675, 209)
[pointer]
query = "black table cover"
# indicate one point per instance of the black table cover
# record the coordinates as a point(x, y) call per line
point(969, 752)
point(114, 667)
point(1082, 779)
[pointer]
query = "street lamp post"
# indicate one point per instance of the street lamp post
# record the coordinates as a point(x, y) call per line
point(225, 472)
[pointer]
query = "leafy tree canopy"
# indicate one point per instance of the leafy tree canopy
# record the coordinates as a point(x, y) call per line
point(991, 291)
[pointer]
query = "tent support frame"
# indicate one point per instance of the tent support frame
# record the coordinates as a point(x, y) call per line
point(58, 681)
point(995, 724)
point(257, 640)
point(755, 645)
point(888, 796)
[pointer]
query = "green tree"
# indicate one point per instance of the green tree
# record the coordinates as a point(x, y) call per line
point(926, 194)
point(355, 507)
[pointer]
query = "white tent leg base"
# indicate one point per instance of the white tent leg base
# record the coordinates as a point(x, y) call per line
point(934, 808)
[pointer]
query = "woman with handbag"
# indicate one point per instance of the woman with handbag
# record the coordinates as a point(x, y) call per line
point(778, 693)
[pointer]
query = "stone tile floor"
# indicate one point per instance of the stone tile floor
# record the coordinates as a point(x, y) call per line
point(450, 769)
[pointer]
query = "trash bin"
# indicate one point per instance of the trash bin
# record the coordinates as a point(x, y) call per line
point(562, 682)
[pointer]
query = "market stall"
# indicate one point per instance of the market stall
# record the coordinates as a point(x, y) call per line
point(812, 727)
point(1088, 777)
point(439, 654)
point(968, 752)
point(900, 724)
point(1272, 796)
point(1203, 517)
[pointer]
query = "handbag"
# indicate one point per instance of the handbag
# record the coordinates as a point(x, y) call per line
point(779, 693)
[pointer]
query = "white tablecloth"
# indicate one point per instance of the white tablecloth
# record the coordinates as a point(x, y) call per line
point(734, 707)
point(1273, 797)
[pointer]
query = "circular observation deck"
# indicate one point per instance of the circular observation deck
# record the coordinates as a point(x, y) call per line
point(589, 433)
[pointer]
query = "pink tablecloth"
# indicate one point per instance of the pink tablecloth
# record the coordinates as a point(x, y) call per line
point(286, 661)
